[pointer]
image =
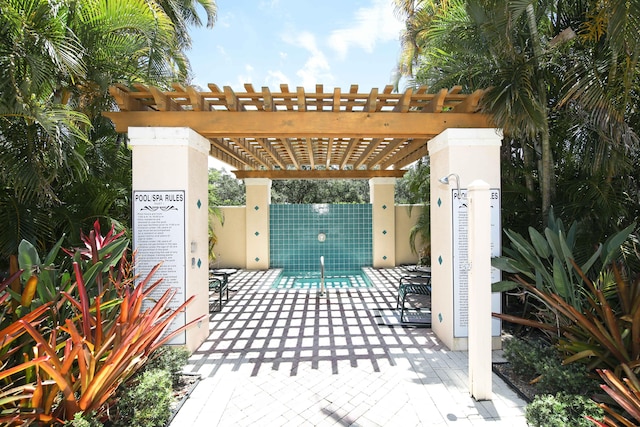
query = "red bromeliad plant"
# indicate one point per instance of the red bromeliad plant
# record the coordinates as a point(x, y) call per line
point(108, 251)
point(100, 352)
point(625, 393)
point(101, 335)
point(95, 242)
point(14, 380)
point(606, 333)
point(591, 307)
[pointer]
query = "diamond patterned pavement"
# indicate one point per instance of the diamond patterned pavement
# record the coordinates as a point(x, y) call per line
point(296, 358)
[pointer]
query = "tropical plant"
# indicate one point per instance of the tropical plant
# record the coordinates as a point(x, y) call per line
point(539, 363)
point(57, 61)
point(12, 330)
point(170, 358)
point(562, 76)
point(76, 361)
point(562, 410)
point(626, 394)
point(590, 306)
point(418, 179)
point(146, 401)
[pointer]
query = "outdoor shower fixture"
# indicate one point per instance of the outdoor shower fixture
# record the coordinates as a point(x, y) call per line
point(445, 180)
point(322, 275)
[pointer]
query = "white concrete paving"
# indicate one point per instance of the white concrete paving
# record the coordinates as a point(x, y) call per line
point(295, 358)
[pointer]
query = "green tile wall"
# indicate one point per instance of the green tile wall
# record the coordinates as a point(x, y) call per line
point(294, 230)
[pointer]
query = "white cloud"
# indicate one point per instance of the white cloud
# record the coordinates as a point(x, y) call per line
point(224, 20)
point(275, 78)
point(269, 4)
point(245, 78)
point(371, 25)
point(316, 69)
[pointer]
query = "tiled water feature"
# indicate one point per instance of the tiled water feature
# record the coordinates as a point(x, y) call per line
point(301, 234)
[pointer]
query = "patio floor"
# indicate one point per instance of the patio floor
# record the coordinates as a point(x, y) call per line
point(295, 358)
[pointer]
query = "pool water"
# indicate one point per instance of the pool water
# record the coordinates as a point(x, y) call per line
point(312, 280)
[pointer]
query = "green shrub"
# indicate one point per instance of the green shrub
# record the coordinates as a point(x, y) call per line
point(81, 419)
point(169, 358)
point(146, 401)
point(539, 361)
point(524, 355)
point(573, 378)
point(561, 410)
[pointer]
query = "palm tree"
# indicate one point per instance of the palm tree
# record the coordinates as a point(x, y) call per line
point(527, 52)
point(38, 136)
point(57, 60)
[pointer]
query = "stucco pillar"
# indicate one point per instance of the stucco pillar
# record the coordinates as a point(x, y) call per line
point(480, 290)
point(257, 231)
point(170, 213)
point(382, 195)
point(470, 154)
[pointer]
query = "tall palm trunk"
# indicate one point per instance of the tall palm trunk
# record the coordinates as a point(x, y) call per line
point(546, 164)
point(528, 160)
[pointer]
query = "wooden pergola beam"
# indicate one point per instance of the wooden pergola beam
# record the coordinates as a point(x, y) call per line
point(319, 174)
point(266, 146)
point(294, 129)
point(287, 124)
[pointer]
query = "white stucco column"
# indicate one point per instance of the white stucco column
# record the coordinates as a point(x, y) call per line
point(257, 231)
point(170, 213)
point(470, 154)
point(382, 195)
point(480, 377)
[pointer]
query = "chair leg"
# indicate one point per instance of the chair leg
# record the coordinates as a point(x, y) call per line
point(403, 308)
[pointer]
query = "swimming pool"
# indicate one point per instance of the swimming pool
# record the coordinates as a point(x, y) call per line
point(312, 280)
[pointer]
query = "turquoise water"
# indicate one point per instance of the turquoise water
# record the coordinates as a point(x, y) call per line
point(312, 280)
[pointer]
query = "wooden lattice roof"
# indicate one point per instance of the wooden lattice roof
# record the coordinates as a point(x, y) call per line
point(300, 134)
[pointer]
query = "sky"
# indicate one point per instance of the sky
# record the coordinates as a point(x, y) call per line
point(336, 43)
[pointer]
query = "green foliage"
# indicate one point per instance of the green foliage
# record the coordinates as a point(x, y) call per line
point(595, 320)
point(57, 61)
point(540, 363)
point(418, 182)
point(81, 419)
point(589, 306)
point(68, 351)
point(547, 261)
point(145, 401)
point(562, 410)
point(524, 355)
point(224, 189)
point(564, 78)
point(169, 358)
point(320, 191)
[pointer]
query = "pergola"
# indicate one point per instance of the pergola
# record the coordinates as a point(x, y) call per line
point(297, 134)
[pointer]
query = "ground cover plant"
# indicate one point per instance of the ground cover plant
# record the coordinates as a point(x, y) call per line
point(75, 329)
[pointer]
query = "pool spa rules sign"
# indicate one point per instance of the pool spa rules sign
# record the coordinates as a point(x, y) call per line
point(461, 262)
point(159, 236)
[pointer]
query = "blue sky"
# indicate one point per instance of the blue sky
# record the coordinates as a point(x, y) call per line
point(298, 42)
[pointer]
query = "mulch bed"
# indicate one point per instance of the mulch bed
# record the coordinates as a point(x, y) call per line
point(522, 387)
point(182, 392)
